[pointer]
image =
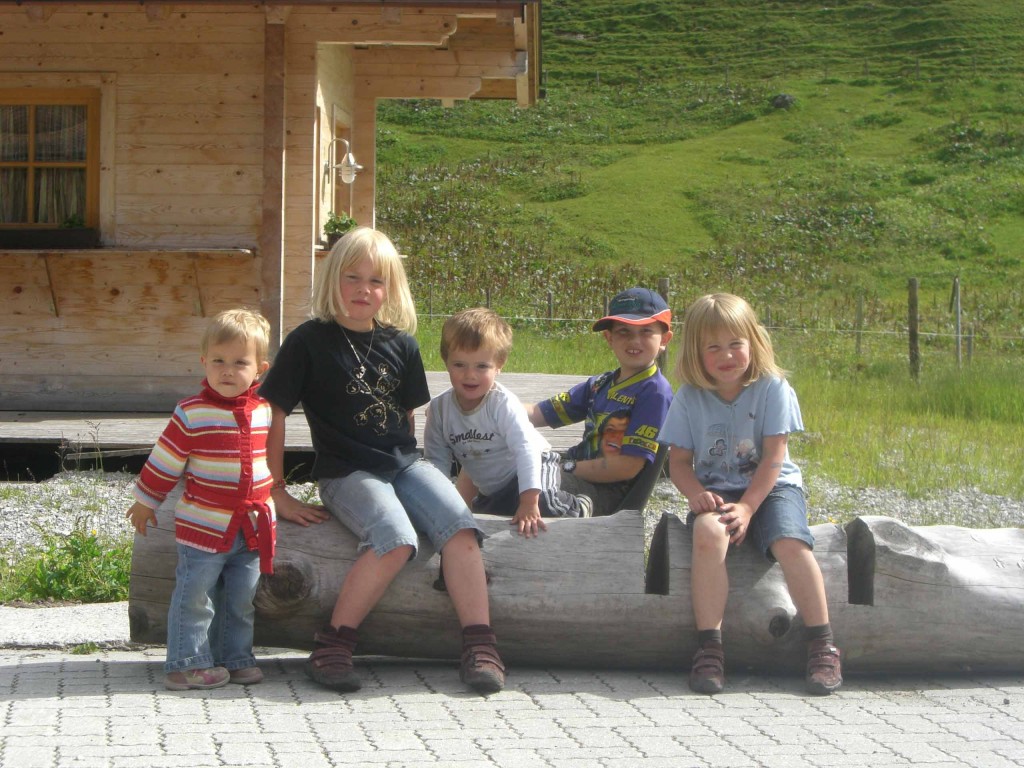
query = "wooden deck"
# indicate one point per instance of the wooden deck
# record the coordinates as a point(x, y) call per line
point(135, 433)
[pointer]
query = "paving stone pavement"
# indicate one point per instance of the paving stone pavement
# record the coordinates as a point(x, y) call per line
point(108, 707)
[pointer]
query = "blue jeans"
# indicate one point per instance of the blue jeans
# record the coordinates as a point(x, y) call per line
point(390, 510)
point(210, 619)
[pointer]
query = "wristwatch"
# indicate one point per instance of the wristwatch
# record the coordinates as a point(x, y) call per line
point(569, 465)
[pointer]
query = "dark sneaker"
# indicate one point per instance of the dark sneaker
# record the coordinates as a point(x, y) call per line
point(707, 672)
point(330, 663)
point(196, 679)
point(824, 671)
point(481, 667)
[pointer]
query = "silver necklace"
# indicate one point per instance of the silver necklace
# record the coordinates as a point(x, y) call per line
point(360, 370)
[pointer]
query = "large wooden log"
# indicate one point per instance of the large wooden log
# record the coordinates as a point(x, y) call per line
point(905, 599)
point(572, 596)
point(935, 598)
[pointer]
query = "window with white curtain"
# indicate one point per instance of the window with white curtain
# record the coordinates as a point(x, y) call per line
point(49, 158)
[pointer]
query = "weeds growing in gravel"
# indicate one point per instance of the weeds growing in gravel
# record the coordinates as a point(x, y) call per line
point(80, 566)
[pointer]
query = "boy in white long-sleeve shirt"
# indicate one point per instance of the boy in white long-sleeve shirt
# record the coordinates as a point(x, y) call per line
point(507, 467)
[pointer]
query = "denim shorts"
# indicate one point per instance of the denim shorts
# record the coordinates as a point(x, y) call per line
point(390, 510)
point(782, 515)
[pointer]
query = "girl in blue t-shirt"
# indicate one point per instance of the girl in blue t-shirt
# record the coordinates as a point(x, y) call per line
point(728, 428)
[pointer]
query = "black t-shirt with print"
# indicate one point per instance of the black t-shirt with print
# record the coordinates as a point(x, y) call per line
point(357, 423)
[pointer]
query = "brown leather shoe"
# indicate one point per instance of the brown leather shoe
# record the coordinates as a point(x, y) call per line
point(481, 667)
point(707, 672)
point(824, 670)
point(330, 663)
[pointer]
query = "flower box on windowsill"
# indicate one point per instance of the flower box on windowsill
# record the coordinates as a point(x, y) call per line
point(47, 238)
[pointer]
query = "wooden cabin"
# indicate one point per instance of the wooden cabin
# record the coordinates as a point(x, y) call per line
point(162, 161)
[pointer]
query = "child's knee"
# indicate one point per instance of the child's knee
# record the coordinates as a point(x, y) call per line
point(462, 540)
point(709, 535)
point(789, 549)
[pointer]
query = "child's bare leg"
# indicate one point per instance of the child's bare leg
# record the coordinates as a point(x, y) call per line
point(481, 668)
point(465, 579)
point(365, 584)
point(330, 663)
point(807, 589)
point(709, 589)
point(709, 582)
point(803, 579)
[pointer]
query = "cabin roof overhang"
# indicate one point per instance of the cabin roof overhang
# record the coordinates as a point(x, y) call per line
point(522, 86)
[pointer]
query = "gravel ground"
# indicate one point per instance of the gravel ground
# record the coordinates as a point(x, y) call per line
point(98, 501)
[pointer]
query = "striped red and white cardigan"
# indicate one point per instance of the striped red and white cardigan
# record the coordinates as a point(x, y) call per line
point(220, 445)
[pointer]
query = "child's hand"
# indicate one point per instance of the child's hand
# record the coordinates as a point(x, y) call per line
point(528, 519)
point(736, 519)
point(287, 507)
point(140, 515)
point(704, 502)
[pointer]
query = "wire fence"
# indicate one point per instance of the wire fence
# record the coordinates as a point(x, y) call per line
point(888, 335)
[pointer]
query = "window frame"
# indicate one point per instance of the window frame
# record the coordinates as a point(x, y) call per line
point(84, 96)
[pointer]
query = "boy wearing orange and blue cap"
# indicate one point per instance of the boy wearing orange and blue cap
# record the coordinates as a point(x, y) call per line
point(624, 407)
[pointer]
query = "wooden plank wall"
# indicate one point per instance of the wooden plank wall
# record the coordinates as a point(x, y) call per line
point(112, 330)
point(182, 174)
point(187, 108)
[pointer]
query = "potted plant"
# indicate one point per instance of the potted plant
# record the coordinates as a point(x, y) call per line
point(337, 224)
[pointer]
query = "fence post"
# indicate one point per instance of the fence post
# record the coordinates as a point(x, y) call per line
point(551, 306)
point(860, 322)
point(954, 306)
point(915, 349)
point(487, 297)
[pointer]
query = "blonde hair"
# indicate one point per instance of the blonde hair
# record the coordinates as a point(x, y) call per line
point(244, 324)
point(473, 329)
point(711, 314)
point(361, 243)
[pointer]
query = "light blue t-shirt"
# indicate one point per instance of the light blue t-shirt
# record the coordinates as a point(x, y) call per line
point(726, 438)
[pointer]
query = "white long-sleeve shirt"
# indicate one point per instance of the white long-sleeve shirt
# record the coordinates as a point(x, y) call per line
point(493, 443)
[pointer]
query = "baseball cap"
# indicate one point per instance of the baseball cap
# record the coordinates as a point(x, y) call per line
point(636, 306)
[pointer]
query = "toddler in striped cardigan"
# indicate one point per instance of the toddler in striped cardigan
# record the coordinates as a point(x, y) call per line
point(224, 520)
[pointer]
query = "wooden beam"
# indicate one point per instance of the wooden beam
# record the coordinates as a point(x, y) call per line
point(497, 89)
point(271, 238)
point(372, 28)
point(422, 62)
point(418, 87)
point(527, 39)
point(364, 136)
point(277, 14)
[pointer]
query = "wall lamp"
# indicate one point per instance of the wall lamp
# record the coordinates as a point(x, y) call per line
point(348, 167)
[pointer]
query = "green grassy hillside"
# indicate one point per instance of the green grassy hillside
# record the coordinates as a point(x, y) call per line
point(658, 153)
